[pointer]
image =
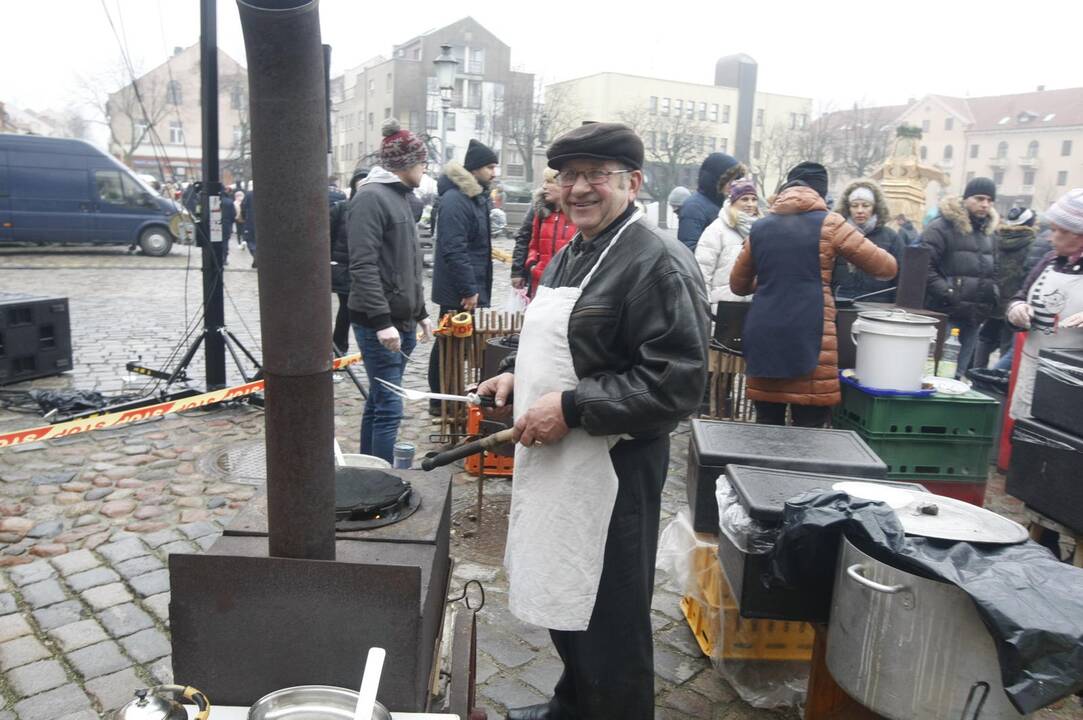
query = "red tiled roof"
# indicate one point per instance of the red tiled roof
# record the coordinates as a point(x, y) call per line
point(1045, 108)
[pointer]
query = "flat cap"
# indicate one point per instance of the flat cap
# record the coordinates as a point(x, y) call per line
point(598, 141)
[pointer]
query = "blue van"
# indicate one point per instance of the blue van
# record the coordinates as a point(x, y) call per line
point(60, 190)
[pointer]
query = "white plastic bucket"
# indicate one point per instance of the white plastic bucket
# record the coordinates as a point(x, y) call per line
point(364, 461)
point(891, 349)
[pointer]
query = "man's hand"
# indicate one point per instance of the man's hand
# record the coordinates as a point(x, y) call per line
point(518, 283)
point(426, 330)
point(390, 339)
point(1073, 321)
point(1019, 314)
point(499, 388)
point(542, 424)
point(470, 303)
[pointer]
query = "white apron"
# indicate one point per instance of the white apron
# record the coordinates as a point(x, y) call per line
point(562, 494)
point(1054, 296)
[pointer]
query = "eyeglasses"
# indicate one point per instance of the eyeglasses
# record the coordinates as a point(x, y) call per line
point(568, 178)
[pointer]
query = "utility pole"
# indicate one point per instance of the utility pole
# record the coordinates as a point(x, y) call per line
point(210, 234)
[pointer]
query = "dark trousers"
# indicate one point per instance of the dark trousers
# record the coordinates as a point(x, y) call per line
point(340, 336)
point(810, 416)
point(609, 667)
point(434, 358)
point(995, 334)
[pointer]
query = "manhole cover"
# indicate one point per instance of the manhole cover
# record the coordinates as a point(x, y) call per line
point(244, 463)
point(481, 539)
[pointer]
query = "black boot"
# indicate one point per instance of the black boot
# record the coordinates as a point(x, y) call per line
point(534, 712)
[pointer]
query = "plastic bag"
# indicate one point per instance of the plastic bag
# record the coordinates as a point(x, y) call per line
point(516, 301)
point(748, 535)
point(685, 556)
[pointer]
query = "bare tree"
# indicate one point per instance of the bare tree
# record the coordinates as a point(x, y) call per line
point(239, 158)
point(129, 113)
point(527, 120)
point(674, 146)
point(819, 137)
point(864, 138)
point(780, 148)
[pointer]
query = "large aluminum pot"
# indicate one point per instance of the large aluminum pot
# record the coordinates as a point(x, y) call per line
point(311, 702)
point(910, 648)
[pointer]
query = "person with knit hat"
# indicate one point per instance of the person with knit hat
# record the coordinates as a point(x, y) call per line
point(721, 242)
point(962, 263)
point(864, 206)
point(462, 262)
point(1050, 303)
point(716, 174)
point(386, 298)
point(611, 357)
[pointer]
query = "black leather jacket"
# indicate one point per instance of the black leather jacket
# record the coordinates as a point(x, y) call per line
point(638, 334)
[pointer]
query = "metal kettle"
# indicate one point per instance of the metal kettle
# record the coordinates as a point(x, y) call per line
point(161, 703)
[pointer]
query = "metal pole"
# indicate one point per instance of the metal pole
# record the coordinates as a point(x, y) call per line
point(213, 304)
point(445, 103)
point(289, 166)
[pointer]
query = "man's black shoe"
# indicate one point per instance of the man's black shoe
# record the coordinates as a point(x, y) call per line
point(534, 712)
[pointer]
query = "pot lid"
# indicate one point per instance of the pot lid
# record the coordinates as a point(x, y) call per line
point(936, 516)
point(897, 316)
point(150, 706)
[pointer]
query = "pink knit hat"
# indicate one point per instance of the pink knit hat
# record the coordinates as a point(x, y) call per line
point(400, 149)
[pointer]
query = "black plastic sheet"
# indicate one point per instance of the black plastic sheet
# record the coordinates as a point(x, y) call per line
point(1031, 603)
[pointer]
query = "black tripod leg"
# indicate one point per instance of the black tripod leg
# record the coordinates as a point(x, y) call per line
point(229, 340)
point(186, 360)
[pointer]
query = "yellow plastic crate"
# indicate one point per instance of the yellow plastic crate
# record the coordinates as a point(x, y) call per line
point(742, 638)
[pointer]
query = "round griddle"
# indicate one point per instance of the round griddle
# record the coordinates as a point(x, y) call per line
point(368, 498)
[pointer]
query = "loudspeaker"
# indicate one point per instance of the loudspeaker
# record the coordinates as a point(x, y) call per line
point(35, 337)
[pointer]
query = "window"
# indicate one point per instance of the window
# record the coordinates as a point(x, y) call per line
point(678, 107)
point(416, 53)
point(1032, 149)
point(949, 123)
point(236, 98)
point(1066, 148)
point(1028, 178)
point(714, 112)
point(949, 151)
point(1062, 177)
point(176, 133)
point(477, 61)
point(665, 106)
point(925, 126)
point(723, 144)
point(513, 164)
point(756, 150)
point(372, 121)
point(479, 122)
point(652, 105)
point(652, 139)
point(415, 121)
point(387, 113)
point(360, 149)
point(759, 119)
point(1002, 150)
point(174, 94)
point(430, 85)
point(432, 120)
point(237, 135)
point(998, 177)
point(713, 144)
point(690, 109)
point(116, 188)
point(970, 176)
point(451, 121)
point(974, 150)
point(802, 121)
point(388, 83)
point(725, 114)
point(473, 95)
point(924, 152)
point(703, 111)
point(141, 128)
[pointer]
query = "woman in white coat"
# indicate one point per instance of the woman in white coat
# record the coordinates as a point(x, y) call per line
point(721, 242)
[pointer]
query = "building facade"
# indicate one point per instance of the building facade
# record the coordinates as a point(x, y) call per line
point(158, 130)
point(404, 86)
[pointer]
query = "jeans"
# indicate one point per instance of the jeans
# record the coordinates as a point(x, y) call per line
point(968, 342)
point(810, 416)
point(383, 409)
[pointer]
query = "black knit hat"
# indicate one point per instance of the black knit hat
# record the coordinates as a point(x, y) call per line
point(814, 175)
point(598, 141)
point(980, 186)
point(478, 156)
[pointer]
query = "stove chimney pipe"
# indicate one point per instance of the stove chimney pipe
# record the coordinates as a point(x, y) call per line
point(289, 171)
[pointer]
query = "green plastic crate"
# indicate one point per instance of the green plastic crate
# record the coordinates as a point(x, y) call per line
point(971, 416)
point(935, 457)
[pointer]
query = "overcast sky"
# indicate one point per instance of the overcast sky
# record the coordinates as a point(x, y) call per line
point(834, 52)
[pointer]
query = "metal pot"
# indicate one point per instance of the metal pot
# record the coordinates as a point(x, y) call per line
point(311, 702)
point(908, 647)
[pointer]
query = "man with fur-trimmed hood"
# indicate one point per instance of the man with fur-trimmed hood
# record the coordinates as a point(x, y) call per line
point(863, 205)
point(962, 263)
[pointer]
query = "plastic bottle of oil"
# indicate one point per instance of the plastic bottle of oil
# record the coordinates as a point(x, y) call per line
point(949, 359)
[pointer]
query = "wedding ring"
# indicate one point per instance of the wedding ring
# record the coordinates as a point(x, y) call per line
point(537, 443)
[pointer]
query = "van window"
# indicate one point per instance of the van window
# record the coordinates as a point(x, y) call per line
point(116, 188)
point(36, 183)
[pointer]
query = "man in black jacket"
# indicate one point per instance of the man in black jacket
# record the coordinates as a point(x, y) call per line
point(613, 354)
point(962, 263)
point(387, 300)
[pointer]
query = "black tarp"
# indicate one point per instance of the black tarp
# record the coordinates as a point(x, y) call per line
point(1031, 603)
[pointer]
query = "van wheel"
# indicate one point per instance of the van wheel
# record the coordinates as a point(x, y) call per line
point(155, 241)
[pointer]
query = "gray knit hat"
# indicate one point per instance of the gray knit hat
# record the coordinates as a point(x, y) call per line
point(1068, 212)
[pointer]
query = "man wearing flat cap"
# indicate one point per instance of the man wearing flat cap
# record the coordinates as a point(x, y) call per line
point(612, 355)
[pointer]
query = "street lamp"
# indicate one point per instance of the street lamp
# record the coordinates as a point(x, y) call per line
point(445, 78)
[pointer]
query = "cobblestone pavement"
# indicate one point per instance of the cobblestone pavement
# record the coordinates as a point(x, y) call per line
point(87, 522)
